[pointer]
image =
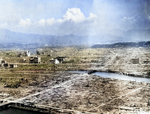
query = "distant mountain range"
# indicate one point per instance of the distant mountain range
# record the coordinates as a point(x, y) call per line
point(7, 36)
point(123, 45)
point(9, 39)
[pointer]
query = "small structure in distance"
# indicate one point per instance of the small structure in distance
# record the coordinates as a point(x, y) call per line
point(54, 61)
point(24, 54)
point(35, 59)
point(57, 60)
point(4, 64)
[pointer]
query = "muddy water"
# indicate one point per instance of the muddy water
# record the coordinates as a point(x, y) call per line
point(17, 111)
point(117, 76)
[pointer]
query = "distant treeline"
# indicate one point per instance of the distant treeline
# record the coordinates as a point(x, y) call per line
point(123, 44)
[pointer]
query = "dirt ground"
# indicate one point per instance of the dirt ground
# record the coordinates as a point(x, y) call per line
point(38, 85)
point(82, 93)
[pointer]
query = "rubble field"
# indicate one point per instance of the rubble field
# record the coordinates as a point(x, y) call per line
point(133, 61)
point(38, 85)
point(82, 93)
point(129, 61)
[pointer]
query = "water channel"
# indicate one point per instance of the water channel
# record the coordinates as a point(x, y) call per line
point(117, 76)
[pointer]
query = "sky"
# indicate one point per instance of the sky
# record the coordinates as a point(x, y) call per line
point(78, 17)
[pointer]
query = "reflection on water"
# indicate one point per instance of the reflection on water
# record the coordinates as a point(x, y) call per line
point(117, 76)
point(17, 111)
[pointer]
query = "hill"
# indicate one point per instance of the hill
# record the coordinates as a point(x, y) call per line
point(123, 44)
point(9, 37)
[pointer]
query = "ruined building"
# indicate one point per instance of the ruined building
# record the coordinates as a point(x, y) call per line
point(54, 61)
point(35, 59)
point(57, 60)
point(4, 64)
point(60, 59)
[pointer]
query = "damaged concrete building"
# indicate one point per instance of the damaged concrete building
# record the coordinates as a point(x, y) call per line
point(4, 64)
point(57, 60)
point(60, 59)
point(54, 61)
point(35, 59)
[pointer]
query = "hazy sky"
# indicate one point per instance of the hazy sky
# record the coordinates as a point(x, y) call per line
point(79, 17)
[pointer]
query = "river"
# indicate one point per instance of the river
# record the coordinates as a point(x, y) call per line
point(117, 76)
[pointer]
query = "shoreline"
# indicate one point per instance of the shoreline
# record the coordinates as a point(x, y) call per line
point(117, 72)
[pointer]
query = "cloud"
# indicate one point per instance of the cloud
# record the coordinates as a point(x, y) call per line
point(72, 22)
point(50, 21)
point(47, 22)
point(75, 15)
point(42, 22)
point(129, 19)
point(92, 16)
point(4, 25)
point(59, 20)
point(24, 23)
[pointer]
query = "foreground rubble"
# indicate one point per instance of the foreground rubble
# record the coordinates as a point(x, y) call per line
point(83, 93)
